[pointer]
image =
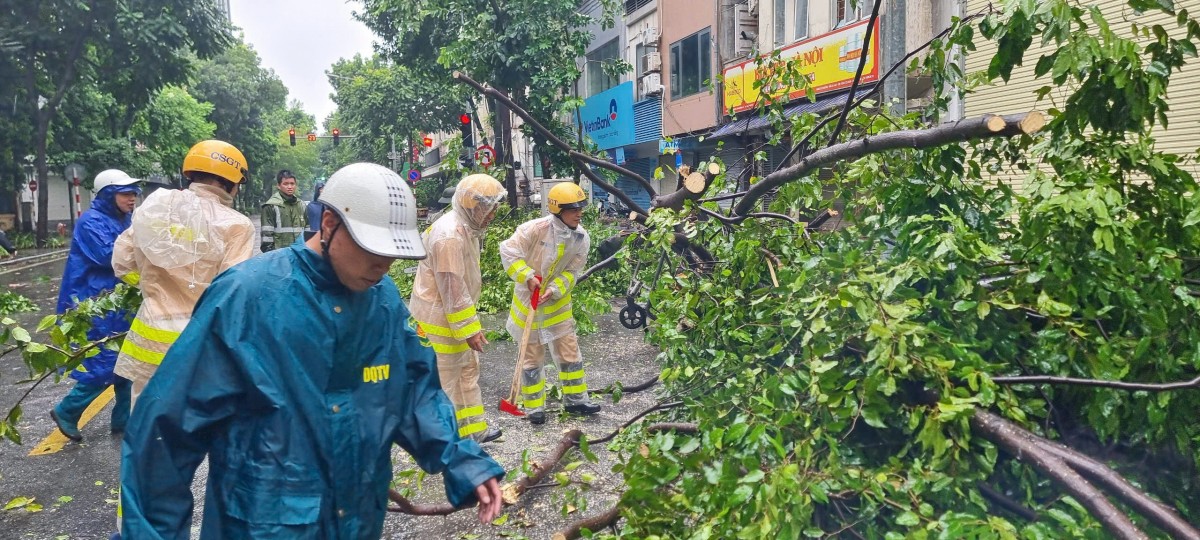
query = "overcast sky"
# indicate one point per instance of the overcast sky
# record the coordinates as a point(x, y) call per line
point(300, 39)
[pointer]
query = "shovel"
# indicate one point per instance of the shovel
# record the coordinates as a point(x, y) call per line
point(509, 405)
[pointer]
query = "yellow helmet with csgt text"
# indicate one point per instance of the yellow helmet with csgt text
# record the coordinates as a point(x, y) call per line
point(217, 158)
point(565, 196)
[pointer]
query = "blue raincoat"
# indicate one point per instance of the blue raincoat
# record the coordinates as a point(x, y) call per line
point(296, 389)
point(89, 272)
point(312, 212)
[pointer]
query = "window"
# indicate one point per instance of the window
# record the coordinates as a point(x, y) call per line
point(639, 52)
point(801, 19)
point(691, 64)
point(780, 16)
point(847, 11)
point(597, 80)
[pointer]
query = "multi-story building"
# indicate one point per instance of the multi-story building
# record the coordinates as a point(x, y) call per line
point(1018, 94)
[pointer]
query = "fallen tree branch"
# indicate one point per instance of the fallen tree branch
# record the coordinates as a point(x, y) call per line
point(636, 417)
point(1004, 501)
point(405, 506)
point(1161, 515)
point(694, 187)
point(578, 157)
point(1025, 447)
point(1119, 385)
point(628, 389)
point(982, 127)
point(599, 521)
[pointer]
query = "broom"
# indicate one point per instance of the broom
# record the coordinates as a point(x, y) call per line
point(509, 405)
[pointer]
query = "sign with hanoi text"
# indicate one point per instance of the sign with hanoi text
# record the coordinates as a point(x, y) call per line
point(828, 61)
point(607, 117)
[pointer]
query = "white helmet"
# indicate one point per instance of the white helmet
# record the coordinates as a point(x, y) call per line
point(112, 177)
point(378, 209)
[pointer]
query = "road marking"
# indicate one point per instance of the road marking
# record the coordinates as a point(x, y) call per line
point(55, 441)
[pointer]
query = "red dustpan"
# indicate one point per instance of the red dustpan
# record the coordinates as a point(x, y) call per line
point(509, 405)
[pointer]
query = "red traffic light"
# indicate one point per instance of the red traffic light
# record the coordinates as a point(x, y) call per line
point(464, 118)
point(427, 141)
point(336, 132)
point(291, 132)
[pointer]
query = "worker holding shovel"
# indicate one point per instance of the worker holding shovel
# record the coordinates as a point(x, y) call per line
point(542, 258)
point(445, 291)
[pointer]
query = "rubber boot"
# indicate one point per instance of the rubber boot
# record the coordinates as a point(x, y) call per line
point(122, 391)
point(66, 414)
point(490, 435)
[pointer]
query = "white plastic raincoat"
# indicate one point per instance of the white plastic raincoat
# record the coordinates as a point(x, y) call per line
point(178, 243)
point(544, 247)
point(446, 289)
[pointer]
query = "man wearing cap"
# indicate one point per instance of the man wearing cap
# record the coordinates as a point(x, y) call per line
point(89, 272)
point(298, 421)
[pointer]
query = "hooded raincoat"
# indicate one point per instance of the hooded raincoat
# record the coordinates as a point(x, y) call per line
point(282, 221)
point(297, 420)
point(446, 289)
point(546, 247)
point(89, 271)
point(179, 242)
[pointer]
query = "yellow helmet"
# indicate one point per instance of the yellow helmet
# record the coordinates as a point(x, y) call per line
point(565, 196)
point(218, 158)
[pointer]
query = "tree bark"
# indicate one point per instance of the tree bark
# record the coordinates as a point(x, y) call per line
point(594, 523)
point(983, 127)
point(1023, 445)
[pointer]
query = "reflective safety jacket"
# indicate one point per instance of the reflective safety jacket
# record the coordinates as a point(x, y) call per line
point(179, 242)
point(545, 247)
point(282, 221)
point(298, 420)
point(448, 283)
point(89, 271)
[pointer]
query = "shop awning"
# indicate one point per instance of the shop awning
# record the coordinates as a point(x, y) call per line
point(761, 121)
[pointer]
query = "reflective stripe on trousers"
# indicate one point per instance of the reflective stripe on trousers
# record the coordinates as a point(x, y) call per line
point(459, 374)
point(565, 352)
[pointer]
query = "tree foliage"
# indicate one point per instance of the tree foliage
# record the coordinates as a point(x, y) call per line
point(129, 48)
point(244, 96)
point(172, 123)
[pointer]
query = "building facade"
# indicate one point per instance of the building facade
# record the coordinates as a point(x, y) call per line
point(1018, 94)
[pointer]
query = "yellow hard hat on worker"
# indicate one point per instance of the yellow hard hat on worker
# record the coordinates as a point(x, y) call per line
point(565, 196)
point(217, 158)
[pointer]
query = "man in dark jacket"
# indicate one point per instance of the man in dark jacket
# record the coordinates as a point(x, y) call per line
point(298, 420)
point(282, 215)
point(312, 212)
point(89, 272)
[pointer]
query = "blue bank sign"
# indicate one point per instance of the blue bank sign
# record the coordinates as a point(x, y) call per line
point(608, 117)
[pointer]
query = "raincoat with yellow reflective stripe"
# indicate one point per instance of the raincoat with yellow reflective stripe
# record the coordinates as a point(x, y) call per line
point(298, 421)
point(179, 242)
point(548, 248)
point(448, 280)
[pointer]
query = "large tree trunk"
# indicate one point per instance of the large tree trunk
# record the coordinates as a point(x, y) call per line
point(43, 177)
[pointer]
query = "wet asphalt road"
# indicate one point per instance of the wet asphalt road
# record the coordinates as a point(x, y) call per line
point(76, 486)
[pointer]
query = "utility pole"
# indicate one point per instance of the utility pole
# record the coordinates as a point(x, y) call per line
point(393, 155)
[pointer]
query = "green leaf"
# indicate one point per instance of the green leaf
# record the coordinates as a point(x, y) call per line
point(908, 519)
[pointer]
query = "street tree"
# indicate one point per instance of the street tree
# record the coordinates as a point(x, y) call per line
point(133, 46)
point(171, 124)
point(244, 96)
point(381, 102)
point(304, 159)
point(947, 357)
point(527, 49)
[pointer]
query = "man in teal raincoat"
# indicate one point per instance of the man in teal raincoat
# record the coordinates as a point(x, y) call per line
point(298, 420)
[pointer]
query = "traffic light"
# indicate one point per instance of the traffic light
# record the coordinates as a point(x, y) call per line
point(292, 136)
point(464, 126)
point(312, 137)
point(337, 136)
point(427, 141)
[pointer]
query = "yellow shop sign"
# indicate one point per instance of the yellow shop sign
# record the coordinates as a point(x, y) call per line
point(828, 61)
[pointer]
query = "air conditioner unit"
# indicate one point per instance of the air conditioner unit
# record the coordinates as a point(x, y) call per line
point(651, 61)
point(651, 35)
point(752, 7)
point(651, 83)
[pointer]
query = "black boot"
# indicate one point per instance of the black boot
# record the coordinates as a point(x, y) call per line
point(490, 435)
point(537, 418)
point(583, 408)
